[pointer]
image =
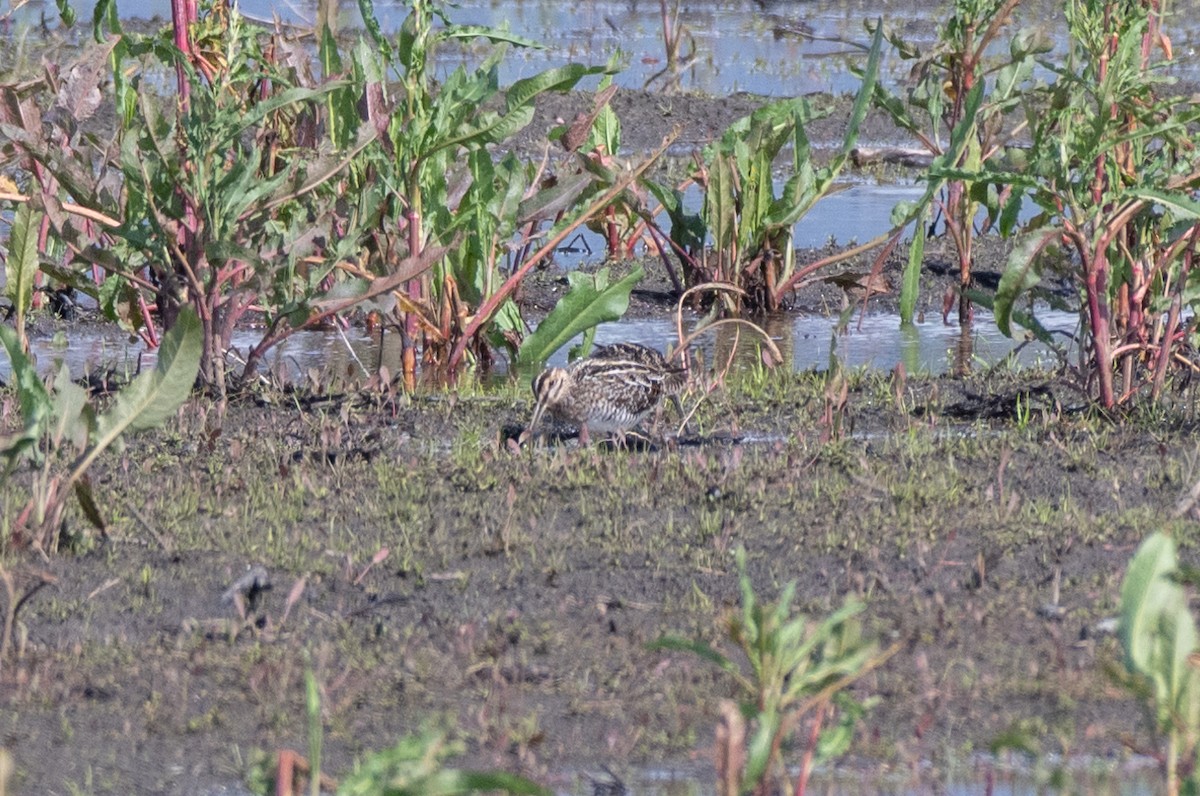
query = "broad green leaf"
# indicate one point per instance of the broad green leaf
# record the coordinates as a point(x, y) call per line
point(87, 503)
point(1020, 274)
point(1147, 593)
point(584, 346)
point(71, 415)
point(759, 748)
point(562, 78)
point(910, 283)
point(687, 229)
point(493, 35)
point(720, 203)
point(1023, 319)
point(606, 130)
point(366, 10)
point(488, 128)
point(33, 397)
point(584, 306)
point(1179, 203)
point(896, 108)
point(155, 395)
point(1010, 214)
point(105, 20)
point(31, 392)
point(21, 266)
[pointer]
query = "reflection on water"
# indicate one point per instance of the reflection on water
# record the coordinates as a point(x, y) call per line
point(856, 214)
point(807, 342)
point(879, 343)
point(741, 45)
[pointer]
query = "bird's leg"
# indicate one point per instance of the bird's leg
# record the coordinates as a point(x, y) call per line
point(584, 437)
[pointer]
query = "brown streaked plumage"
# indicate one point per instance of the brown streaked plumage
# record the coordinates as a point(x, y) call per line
point(611, 391)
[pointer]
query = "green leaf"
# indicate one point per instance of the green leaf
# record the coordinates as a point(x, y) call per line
point(862, 102)
point(562, 78)
point(65, 12)
point(589, 302)
point(1020, 274)
point(1010, 214)
point(1147, 593)
point(34, 400)
point(71, 414)
point(155, 395)
point(698, 648)
point(366, 9)
point(910, 284)
point(759, 748)
point(1023, 319)
point(340, 105)
point(87, 503)
point(492, 35)
point(720, 203)
point(31, 392)
point(1178, 202)
point(105, 19)
point(22, 264)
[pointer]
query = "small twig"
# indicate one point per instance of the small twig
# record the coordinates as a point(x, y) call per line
point(70, 207)
point(350, 349)
point(148, 528)
point(15, 604)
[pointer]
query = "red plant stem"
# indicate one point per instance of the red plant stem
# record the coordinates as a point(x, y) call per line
point(183, 15)
point(614, 235)
point(408, 356)
point(148, 333)
point(1098, 311)
point(806, 765)
point(1167, 342)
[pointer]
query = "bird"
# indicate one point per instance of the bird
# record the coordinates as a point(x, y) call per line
point(611, 391)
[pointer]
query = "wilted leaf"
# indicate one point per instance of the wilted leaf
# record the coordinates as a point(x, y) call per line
point(79, 94)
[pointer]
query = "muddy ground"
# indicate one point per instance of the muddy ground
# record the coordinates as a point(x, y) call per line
point(985, 521)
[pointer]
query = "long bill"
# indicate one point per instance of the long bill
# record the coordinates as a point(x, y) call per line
point(538, 410)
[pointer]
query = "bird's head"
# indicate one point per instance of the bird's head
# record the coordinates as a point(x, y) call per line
point(549, 388)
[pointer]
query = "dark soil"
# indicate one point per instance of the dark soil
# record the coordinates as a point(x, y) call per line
point(986, 524)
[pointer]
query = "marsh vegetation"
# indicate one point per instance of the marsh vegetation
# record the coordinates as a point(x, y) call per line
point(902, 569)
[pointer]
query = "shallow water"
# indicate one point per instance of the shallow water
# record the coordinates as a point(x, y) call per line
point(807, 342)
point(740, 45)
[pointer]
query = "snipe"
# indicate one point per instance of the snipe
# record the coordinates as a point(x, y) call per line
point(611, 391)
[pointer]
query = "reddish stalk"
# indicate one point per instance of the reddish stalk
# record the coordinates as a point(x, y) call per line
point(806, 765)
